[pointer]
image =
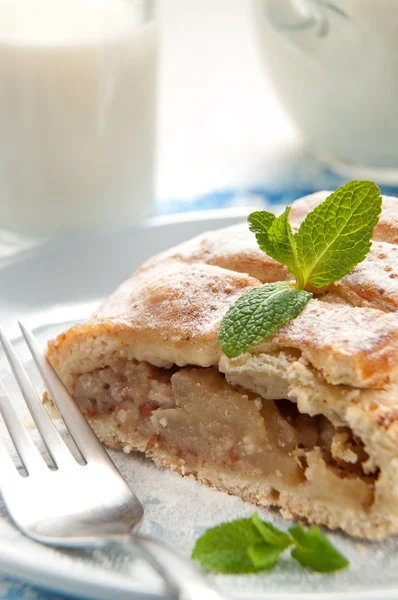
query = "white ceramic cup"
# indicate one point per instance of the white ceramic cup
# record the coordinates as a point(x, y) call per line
point(334, 64)
point(77, 113)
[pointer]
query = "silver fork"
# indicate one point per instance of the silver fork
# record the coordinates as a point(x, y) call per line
point(77, 505)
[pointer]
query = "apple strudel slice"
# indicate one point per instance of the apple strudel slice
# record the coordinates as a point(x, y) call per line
point(307, 420)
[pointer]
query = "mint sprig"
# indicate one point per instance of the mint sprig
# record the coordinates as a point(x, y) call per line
point(332, 239)
point(252, 545)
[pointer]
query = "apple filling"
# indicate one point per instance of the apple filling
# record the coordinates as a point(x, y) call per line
point(194, 415)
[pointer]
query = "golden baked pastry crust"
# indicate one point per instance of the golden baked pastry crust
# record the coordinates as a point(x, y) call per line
point(337, 361)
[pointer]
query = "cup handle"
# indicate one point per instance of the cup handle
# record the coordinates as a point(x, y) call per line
point(305, 23)
point(294, 16)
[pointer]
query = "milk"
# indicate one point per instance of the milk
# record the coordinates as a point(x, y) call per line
point(77, 113)
point(335, 67)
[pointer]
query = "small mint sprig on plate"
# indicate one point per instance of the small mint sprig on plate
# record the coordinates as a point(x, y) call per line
point(332, 239)
point(252, 545)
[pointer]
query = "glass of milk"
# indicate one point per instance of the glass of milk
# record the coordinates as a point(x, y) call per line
point(77, 113)
point(334, 65)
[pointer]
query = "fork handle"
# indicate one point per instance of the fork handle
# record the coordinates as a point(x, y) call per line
point(182, 576)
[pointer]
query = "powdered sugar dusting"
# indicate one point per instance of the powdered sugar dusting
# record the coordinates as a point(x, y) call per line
point(172, 311)
point(376, 278)
point(346, 330)
point(180, 298)
point(233, 248)
point(217, 243)
point(387, 228)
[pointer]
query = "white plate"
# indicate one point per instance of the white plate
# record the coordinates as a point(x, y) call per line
point(59, 283)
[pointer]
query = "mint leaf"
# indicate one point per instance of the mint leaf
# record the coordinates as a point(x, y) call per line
point(314, 550)
point(259, 313)
point(270, 534)
point(275, 237)
point(224, 549)
point(263, 556)
point(283, 243)
point(336, 235)
point(259, 223)
point(241, 546)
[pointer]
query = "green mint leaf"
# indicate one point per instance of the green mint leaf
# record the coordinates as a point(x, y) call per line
point(275, 237)
point(264, 556)
point(336, 235)
point(259, 313)
point(259, 223)
point(283, 244)
point(270, 534)
point(224, 549)
point(314, 550)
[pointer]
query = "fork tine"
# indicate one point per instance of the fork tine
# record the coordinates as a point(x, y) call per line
point(29, 454)
point(85, 438)
point(53, 441)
